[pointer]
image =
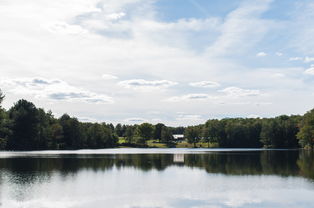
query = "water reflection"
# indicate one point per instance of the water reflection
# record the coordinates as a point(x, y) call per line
point(283, 163)
point(190, 180)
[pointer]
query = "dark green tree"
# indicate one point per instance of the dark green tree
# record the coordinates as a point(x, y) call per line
point(166, 135)
point(192, 134)
point(129, 134)
point(306, 133)
point(57, 137)
point(143, 133)
point(118, 130)
point(158, 130)
point(4, 125)
point(72, 133)
point(25, 126)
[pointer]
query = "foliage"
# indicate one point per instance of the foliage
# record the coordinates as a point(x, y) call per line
point(1, 97)
point(306, 133)
point(158, 131)
point(166, 135)
point(143, 133)
point(192, 134)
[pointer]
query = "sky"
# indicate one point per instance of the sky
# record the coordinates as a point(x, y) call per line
point(179, 62)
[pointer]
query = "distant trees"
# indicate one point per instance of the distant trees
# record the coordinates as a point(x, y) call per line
point(25, 127)
point(213, 131)
point(99, 136)
point(143, 133)
point(129, 134)
point(120, 130)
point(192, 134)
point(158, 131)
point(306, 133)
point(280, 132)
point(166, 135)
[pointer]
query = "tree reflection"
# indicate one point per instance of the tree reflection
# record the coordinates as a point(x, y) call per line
point(306, 164)
point(282, 163)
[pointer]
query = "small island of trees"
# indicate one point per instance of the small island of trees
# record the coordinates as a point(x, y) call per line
point(26, 127)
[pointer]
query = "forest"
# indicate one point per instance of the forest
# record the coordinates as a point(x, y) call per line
point(26, 127)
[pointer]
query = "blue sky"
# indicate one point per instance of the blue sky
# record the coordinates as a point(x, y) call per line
point(171, 61)
point(173, 10)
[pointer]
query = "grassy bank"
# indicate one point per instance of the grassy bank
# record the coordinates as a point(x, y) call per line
point(155, 144)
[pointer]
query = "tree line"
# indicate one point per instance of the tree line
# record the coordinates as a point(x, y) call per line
point(26, 127)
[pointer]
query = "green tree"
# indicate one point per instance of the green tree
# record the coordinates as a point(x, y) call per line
point(44, 129)
point(56, 136)
point(192, 134)
point(166, 135)
point(143, 133)
point(4, 125)
point(158, 130)
point(306, 133)
point(1, 97)
point(72, 132)
point(100, 136)
point(280, 132)
point(129, 134)
point(119, 130)
point(205, 135)
point(25, 126)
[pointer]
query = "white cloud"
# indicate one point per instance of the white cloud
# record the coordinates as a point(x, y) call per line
point(238, 92)
point(146, 84)
point(278, 75)
point(53, 89)
point(205, 84)
point(310, 70)
point(302, 39)
point(189, 118)
point(261, 54)
point(242, 29)
point(115, 16)
point(190, 97)
point(305, 59)
point(87, 119)
point(279, 54)
point(308, 59)
point(63, 28)
point(295, 59)
point(135, 120)
point(109, 77)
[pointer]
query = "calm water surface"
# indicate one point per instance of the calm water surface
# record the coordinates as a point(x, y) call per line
point(151, 178)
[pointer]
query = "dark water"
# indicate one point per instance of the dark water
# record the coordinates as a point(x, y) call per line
point(132, 178)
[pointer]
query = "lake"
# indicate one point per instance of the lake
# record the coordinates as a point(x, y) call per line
point(153, 178)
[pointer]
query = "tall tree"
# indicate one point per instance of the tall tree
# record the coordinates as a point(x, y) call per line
point(166, 135)
point(158, 130)
point(129, 134)
point(118, 130)
point(25, 126)
point(72, 132)
point(192, 134)
point(144, 132)
point(56, 136)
